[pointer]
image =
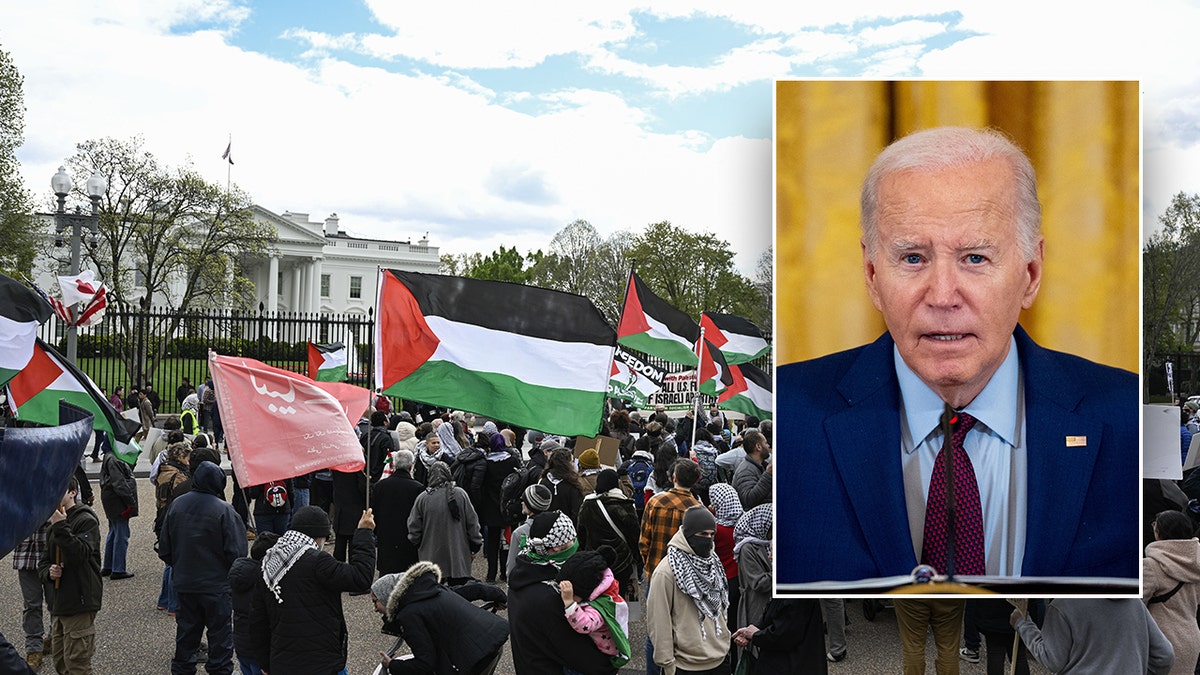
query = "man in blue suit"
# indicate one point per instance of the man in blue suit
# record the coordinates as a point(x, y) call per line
point(952, 252)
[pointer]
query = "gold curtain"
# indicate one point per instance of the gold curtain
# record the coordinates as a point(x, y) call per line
point(1083, 139)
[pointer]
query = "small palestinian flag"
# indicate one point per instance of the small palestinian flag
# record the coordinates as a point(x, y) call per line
point(327, 363)
point(738, 339)
point(716, 376)
point(530, 356)
point(21, 312)
point(751, 394)
point(35, 392)
point(648, 324)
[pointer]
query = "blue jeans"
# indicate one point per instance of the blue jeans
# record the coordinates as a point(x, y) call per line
point(249, 667)
point(167, 597)
point(277, 523)
point(651, 667)
point(299, 498)
point(116, 544)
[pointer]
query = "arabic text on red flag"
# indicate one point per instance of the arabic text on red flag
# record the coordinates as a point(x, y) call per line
point(280, 424)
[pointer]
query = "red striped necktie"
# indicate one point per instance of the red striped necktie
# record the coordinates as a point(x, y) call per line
point(967, 546)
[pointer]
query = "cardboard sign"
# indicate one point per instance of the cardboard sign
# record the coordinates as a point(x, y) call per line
point(1160, 442)
point(607, 447)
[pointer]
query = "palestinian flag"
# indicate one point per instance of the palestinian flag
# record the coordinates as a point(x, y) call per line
point(21, 312)
point(738, 339)
point(648, 324)
point(327, 363)
point(751, 395)
point(35, 392)
point(716, 376)
point(530, 356)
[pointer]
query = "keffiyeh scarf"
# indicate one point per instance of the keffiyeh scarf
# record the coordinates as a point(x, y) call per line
point(280, 558)
point(727, 507)
point(754, 525)
point(702, 579)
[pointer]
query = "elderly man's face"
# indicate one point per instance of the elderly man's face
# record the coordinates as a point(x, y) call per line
point(948, 275)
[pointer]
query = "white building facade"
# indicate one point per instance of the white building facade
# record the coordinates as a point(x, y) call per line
point(315, 267)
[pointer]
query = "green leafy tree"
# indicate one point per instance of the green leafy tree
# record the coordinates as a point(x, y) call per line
point(18, 226)
point(505, 264)
point(169, 237)
point(695, 273)
point(1171, 282)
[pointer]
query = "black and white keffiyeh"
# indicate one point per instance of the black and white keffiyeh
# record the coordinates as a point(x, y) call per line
point(280, 558)
point(561, 533)
point(727, 506)
point(754, 525)
point(703, 579)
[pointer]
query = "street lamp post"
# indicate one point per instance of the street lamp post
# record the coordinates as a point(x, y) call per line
point(61, 184)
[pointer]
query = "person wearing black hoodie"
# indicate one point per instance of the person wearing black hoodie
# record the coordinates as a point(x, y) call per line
point(201, 536)
point(251, 634)
point(446, 633)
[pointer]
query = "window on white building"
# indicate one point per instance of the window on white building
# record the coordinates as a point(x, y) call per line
point(324, 285)
point(356, 288)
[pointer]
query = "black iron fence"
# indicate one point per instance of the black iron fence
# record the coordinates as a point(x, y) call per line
point(161, 346)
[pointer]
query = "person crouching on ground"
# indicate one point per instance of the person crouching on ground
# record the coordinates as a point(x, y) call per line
point(445, 632)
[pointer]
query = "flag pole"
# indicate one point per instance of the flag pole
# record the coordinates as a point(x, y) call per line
point(696, 398)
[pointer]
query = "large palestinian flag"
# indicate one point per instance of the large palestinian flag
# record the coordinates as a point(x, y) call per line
point(648, 324)
point(21, 312)
point(738, 339)
point(530, 356)
point(326, 363)
point(751, 392)
point(35, 392)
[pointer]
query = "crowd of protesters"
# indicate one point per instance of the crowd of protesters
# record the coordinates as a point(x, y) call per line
point(676, 524)
point(254, 577)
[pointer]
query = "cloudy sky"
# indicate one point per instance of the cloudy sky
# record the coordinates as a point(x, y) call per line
point(499, 123)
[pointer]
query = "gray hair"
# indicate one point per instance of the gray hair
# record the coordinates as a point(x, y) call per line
point(953, 147)
point(403, 459)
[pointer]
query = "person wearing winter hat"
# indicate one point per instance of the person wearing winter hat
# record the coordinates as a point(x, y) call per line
point(445, 632)
point(589, 469)
point(600, 612)
point(542, 642)
point(303, 590)
point(535, 500)
point(688, 603)
point(609, 517)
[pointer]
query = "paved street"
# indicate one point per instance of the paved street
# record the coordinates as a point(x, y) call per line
point(132, 637)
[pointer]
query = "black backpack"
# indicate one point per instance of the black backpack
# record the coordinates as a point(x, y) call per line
point(468, 472)
point(511, 489)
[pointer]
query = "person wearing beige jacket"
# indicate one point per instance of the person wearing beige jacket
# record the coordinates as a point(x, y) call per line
point(1171, 586)
point(688, 602)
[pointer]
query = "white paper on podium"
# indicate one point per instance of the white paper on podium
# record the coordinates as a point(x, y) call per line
point(1160, 442)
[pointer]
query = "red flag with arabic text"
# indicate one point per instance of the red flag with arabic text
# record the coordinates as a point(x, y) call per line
point(280, 424)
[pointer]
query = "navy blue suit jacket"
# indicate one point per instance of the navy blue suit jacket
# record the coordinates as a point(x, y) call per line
point(840, 488)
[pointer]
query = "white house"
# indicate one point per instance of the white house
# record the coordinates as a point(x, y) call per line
point(317, 267)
